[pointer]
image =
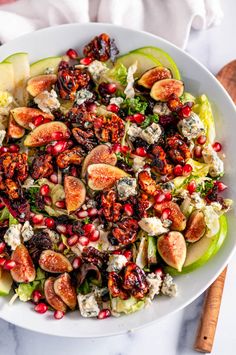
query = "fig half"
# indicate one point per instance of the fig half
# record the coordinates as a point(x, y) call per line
point(100, 154)
point(75, 193)
point(172, 249)
point(39, 83)
point(176, 216)
point(51, 297)
point(153, 75)
point(64, 289)
point(103, 176)
point(14, 130)
point(54, 262)
point(25, 116)
point(196, 226)
point(163, 89)
point(24, 271)
point(43, 134)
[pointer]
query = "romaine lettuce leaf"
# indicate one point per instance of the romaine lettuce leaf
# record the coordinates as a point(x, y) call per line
point(203, 109)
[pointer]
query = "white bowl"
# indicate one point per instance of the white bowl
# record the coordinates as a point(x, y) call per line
point(198, 80)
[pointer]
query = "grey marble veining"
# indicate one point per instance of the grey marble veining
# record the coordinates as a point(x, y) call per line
point(175, 334)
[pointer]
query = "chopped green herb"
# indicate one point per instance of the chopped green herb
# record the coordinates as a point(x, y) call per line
point(135, 105)
point(149, 120)
point(205, 188)
point(86, 220)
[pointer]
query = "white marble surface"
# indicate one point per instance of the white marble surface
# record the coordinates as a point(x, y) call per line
point(174, 335)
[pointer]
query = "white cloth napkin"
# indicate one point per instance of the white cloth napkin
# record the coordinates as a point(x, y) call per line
point(170, 19)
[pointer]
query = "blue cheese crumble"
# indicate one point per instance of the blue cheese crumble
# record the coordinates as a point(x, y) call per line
point(13, 236)
point(126, 187)
point(47, 101)
point(116, 263)
point(82, 96)
point(152, 225)
point(150, 134)
point(210, 157)
point(88, 305)
point(191, 127)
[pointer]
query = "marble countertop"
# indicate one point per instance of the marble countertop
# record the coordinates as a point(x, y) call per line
point(175, 334)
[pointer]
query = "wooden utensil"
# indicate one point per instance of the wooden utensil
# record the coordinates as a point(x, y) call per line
point(208, 322)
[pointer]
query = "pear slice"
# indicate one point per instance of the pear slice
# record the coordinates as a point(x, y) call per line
point(7, 82)
point(50, 63)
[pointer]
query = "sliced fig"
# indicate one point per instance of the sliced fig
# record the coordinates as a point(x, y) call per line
point(51, 297)
point(103, 176)
point(25, 116)
point(39, 83)
point(54, 262)
point(196, 226)
point(176, 216)
point(163, 89)
point(75, 193)
point(64, 289)
point(172, 249)
point(24, 271)
point(100, 154)
point(14, 130)
point(153, 75)
point(43, 134)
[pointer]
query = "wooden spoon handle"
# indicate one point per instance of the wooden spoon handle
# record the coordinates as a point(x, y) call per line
point(208, 322)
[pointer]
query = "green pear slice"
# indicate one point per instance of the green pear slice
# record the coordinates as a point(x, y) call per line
point(39, 67)
point(5, 283)
point(7, 82)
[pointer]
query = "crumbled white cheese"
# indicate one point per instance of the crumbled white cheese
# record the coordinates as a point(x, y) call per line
point(151, 134)
point(12, 236)
point(54, 236)
point(161, 109)
point(126, 187)
point(82, 96)
point(191, 127)
point(212, 220)
point(197, 201)
point(27, 231)
point(49, 70)
point(2, 136)
point(97, 69)
point(88, 305)
point(29, 182)
point(129, 90)
point(116, 263)
point(134, 131)
point(117, 101)
point(154, 282)
point(168, 288)
point(210, 157)
point(47, 101)
point(152, 225)
point(138, 164)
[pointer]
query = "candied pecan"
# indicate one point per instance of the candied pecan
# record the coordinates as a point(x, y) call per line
point(174, 103)
point(159, 163)
point(70, 156)
point(109, 129)
point(115, 286)
point(69, 80)
point(178, 150)
point(39, 242)
point(92, 255)
point(147, 183)
point(110, 208)
point(14, 165)
point(135, 280)
point(101, 48)
point(12, 189)
point(41, 166)
point(85, 138)
point(80, 116)
point(126, 231)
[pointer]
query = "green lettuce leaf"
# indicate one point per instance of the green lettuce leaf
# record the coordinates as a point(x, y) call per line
point(128, 306)
point(119, 74)
point(202, 108)
point(134, 105)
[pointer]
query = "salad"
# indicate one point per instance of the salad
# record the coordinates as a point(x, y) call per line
point(110, 180)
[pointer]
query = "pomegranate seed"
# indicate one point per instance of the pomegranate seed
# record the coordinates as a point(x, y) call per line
point(185, 111)
point(201, 140)
point(67, 135)
point(59, 147)
point(141, 152)
point(138, 118)
point(69, 229)
point(198, 151)
point(72, 240)
point(14, 148)
point(72, 54)
point(125, 149)
point(128, 254)
point(84, 241)
point(49, 149)
point(111, 88)
point(86, 61)
point(58, 314)
point(48, 200)
point(168, 196)
point(159, 272)
point(76, 262)
point(41, 308)
point(91, 107)
point(160, 197)
point(56, 136)
point(46, 120)
point(187, 169)
point(37, 219)
point(104, 313)
point(44, 190)
point(166, 213)
point(2, 261)
point(221, 187)
point(36, 296)
point(49, 222)
point(128, 209)
point(116, 252)
point(2, 247)
point(61, 228)
point(88, 228)
point(92, 212)
point(178, 170)
point(3, 149)
point(94, 236)
point(53, 178)
point(82, 214)
point(73, 171)
point(2, 205)
point(60, 204)
point(113, 108)
point(61, 247)
point(217, 147)
point(38, 120)
point(116, 148)
point(192, 187)
point(9, 264)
